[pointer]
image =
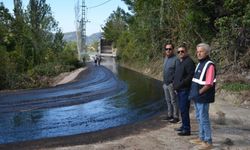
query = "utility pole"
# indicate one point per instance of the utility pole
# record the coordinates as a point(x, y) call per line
point(83, 27)
point(81, 20)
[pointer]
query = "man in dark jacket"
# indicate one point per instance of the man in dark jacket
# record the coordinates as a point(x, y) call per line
point(182, 81)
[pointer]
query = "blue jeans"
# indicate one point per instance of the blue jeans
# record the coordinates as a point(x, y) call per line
point(184, 105)
point(202, 116)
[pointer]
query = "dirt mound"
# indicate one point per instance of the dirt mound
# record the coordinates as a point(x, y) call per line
point(66, 77)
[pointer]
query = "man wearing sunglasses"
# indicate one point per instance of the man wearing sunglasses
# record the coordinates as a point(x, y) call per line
point(168, 77)
point(182, 81)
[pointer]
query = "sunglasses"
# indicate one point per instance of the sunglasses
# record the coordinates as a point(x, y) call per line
point(168, 49)
point(180, 52)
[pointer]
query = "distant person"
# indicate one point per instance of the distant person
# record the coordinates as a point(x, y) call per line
point(98, 58)
point(182, 81)
point(203, 93)
point(168, 78)
point(95, 60)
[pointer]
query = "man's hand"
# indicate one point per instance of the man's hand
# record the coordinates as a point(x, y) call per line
point(204, 89)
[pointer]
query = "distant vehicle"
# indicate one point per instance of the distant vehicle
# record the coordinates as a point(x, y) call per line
point(106, 48)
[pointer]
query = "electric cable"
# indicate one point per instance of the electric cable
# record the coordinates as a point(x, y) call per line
point(99, 4)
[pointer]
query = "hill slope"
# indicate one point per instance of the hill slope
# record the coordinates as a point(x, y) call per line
point(71, 36)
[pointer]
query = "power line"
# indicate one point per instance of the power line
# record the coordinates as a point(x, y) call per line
point(99, 4)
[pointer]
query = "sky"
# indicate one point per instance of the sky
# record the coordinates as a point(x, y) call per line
point(64, 12)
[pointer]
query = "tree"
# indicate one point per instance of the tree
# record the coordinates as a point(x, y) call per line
point(22, 41)
point(233, 40)
point(144, 30)
point(224, 24)
point(6, 36)
point(59, 43)
point(41, 23)
point(28, 46)
point(115, 25)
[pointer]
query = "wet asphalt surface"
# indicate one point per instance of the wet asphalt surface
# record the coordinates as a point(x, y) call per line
point(100, 99)
point(96, 83)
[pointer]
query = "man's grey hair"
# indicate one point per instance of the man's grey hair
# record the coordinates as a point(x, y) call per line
point(205, 46)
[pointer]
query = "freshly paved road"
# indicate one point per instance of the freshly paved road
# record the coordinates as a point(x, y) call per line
point(93, 83)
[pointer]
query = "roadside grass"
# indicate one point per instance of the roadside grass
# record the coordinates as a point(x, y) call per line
point(236, 86)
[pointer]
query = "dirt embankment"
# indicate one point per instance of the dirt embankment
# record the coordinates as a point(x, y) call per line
point(66, 77)
point(153, 69)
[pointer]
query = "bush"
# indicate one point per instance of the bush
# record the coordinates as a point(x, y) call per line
point(49, 69)
point(236, 86)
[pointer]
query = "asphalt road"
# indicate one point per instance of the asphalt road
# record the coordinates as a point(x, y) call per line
point(98, 100)
point(93, 83)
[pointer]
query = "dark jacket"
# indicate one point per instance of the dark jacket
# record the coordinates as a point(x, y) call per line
point(169, 69)
point(184, 73)
point(197, 84)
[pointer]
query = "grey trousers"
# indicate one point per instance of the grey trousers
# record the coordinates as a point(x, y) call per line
point(172, 101)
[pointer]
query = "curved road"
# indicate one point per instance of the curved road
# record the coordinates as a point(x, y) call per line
point(94, 83)
point(98, 100)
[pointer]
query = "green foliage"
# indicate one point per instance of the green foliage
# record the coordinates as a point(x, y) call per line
point(94, 46)
point(236, 87)
point(3, 67)
point(125, 42)
point(224, 24)
point(10, 76)
point(18, 61)
point(115, 24)
point(69, 55)
point(234, 30)
point(28, 48)
point(17, 81)
point(59, 43)
point(49, 69)
point(139, 31)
